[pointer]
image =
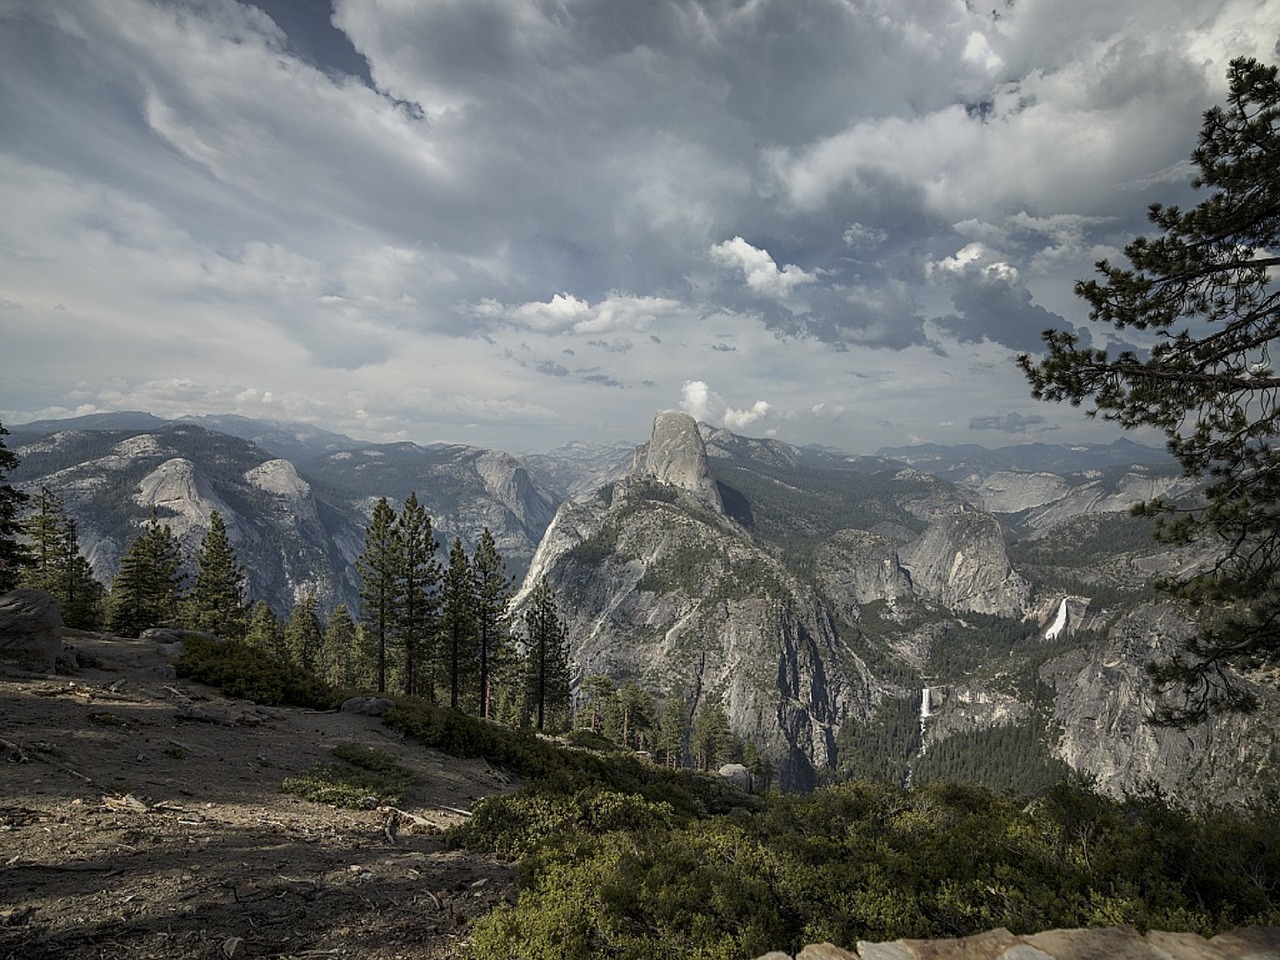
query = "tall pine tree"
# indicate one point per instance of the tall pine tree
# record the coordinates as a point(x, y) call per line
point(13, 555)
point(493, 591)
point(547, 667)
point(57, 565)
point(43, 531)
point(145, 590)
point(302, 635)
point(264, 630)
point(457, 623)
point(342, 660)
point(216, 602)
point(82, 594)
point(418, 597)
point(380, 567)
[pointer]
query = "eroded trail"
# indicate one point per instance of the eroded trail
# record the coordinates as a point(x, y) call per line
point(142, 817)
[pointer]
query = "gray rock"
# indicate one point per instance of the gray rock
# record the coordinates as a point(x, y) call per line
point(30, 629)
point(676, 454)
point(175, 635)
point(825, 951)
point(68, 659)
point(738, 775)
point(368, 706)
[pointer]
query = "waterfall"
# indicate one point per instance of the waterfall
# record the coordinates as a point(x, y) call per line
point(924, 715)
point(1059, 623)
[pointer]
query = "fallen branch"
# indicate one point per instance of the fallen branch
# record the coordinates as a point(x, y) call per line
point(413, 818)
point(460, 812)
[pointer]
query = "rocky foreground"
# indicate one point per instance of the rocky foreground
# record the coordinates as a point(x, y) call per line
point(1114, 943)
point(142, 817)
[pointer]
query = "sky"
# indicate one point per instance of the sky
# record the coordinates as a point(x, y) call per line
point(518, 223)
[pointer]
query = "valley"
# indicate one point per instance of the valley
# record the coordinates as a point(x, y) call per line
point(811, 595)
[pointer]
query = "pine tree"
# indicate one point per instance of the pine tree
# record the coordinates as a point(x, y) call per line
point(82, 593)
point(547, 665)
point(57, 566)
point(714, 743)
point(601, 693)
point(418, 601)
point(264, 630)
point(13, 555)
point(380, 568)
point(216, 602)
point(493, 590)
point(458, 623)
point(43, 531)
point(145, 590)
point(673, 731)
point(343, 662)
point(1203, 291)
point(302, 636)
point(636, 713)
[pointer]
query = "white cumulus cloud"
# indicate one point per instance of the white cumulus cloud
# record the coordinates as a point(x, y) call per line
point(701, 402)
point(759, 270)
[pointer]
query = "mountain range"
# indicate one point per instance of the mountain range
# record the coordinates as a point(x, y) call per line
point(928, 611)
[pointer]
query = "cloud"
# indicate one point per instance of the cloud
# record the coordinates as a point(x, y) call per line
point(551, 368)
point(859, 236)
point(696, 399)
point(741, 419)
point(991, 302)
point(700, 402)
point(973, 260)
point(565, 313)
point(759, 270)
point(328, 207)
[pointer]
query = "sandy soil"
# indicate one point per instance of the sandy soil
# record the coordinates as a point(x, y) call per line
point(129, 829)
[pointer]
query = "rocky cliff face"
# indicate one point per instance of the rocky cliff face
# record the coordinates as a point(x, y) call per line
point(818, 595)
point(677, 456)
point(1103, 697)
point(287, 540)
point(296, 528)
point(960, 562)
point(688, 577)
point(660, 587)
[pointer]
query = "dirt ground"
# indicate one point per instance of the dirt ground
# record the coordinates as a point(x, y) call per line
point(141, 816)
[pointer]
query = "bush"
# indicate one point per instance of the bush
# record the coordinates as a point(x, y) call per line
point(607, 876)
point(243, 671)
point(362, 779)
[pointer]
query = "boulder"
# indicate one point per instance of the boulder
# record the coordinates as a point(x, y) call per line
point(30, 629)
point(368, 706)
point(175, 635)
point(738, 775)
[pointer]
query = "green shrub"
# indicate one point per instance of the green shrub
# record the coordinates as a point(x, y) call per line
point(604, 876)
point(361, 779)
point(519, 824)
point(246, 672)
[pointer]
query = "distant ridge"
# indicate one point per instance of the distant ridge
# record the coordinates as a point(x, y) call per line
point(957, 462)
point(113, 420)
point(281, 438)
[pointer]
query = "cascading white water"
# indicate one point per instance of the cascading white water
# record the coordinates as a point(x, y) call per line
point(1059, 623)
point(925, 713)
